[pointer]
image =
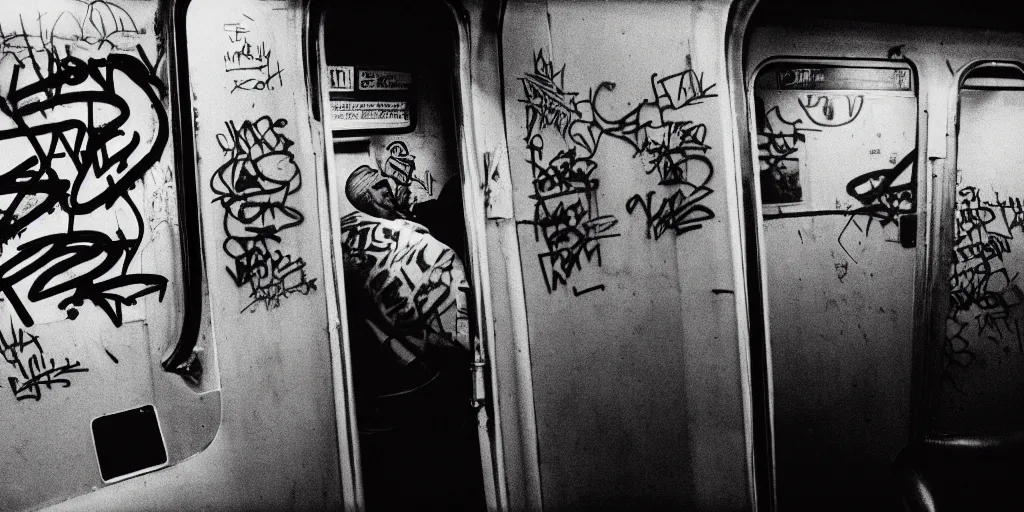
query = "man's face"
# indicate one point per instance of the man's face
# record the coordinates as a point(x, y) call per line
point(383, 200)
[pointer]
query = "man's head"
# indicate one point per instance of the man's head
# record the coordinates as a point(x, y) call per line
point(370, 192)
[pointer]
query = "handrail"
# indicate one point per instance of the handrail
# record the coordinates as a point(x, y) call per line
point(179, 358)
point(975, 443)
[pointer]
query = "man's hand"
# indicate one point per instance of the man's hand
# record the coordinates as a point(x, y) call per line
point(402, 196)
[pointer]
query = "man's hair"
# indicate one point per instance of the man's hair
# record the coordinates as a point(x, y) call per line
point(358, 186)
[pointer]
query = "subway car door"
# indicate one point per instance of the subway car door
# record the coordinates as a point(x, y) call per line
point(836, 149)
point(967, 449)
point(400, 235)
point(108, 366)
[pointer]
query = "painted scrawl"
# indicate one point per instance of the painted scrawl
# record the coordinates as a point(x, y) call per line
point(82, 121)
point(248, 61)
point(831, 110)
point(778, 140)
point(33, 370)
point(985, 296)
point(566, 216)
point(255, 186)
point(663, 132)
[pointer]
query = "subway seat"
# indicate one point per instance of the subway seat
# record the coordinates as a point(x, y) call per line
point(954, 473)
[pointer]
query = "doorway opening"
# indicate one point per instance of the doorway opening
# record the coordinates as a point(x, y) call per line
point(393, 115)
point(836, 184)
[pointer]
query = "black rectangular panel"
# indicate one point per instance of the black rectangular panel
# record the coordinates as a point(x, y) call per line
point(128, 442)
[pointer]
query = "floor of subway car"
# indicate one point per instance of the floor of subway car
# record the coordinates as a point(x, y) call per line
point(872, 500)
point(418, 442)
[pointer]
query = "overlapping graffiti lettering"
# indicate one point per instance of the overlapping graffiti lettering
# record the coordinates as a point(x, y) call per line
point(547, 102)
point(566, 214)
point(254, 187)
point(413, 279)
point(984, 297)
point(83, 122)
point(885, 195)
point(677, 214)
point(565, 205)
point(673, 145)
point(248, 63)
point(662, 131)
point(25, 355)
point(104, 26)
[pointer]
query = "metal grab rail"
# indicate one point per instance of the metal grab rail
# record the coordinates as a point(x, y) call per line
point(179, 358)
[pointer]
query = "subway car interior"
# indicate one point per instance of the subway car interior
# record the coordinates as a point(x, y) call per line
point(711, 255)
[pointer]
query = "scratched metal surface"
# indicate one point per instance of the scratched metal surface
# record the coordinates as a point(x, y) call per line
point(938, 53)
point(619, 196)
point(276, 446)
point(840, 292)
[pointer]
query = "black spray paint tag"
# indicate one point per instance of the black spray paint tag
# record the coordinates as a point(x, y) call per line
point(128, 443)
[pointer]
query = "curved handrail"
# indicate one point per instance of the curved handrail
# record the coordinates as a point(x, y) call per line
point(975, 443)
point(178, 359)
